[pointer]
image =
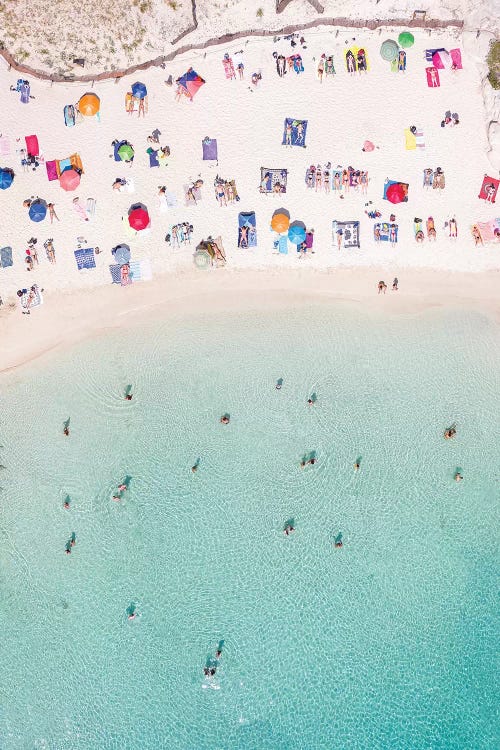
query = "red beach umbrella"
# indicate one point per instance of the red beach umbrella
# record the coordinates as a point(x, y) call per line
point(69, 179)
point(138, 219)
point(396, 193)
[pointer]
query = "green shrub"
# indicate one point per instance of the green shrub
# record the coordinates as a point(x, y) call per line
point(493, 62)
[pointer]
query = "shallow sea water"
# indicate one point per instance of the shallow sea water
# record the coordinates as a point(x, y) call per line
point(388, 642)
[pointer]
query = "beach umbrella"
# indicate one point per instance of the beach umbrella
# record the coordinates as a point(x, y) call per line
point(395, 193)
point(6, 178)
point(389, 50)
point(368, 146)
point(38, 210)
point(280, 222)
point(122, 254)
point(139, 90)
point(138, 217)
point(89, 104)
point(69, 179)
point(406, 39)
point(126, 152)
point(297, 232)
point(202, 259)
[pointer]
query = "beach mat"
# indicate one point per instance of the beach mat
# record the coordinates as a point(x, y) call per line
point(349, 231)
point(410, 140)
point(432, 74)
point(209, 147)
point(116, 275)
point(197, 195)
point(296, 132)
point(85, 258)
point(489, 189)
point(247, 221)
point(6, 257)
point(4, 145)
point(273, 180)
point(32, 145)
point(51, 167)
point(419, 137)
point(153, 157)
point(456, 58)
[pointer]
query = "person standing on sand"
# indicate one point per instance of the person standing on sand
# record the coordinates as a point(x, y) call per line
point(395, 284)
point(52, 212)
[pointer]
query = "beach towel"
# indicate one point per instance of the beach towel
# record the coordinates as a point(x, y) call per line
point(76, 162)
point(456, 58)
point(228, 68)
point(432, 77)
point(429, 53)
point(63, 164)
point(69, 115)
point(4, 145)
point(153, 157)
point(356, 59)
point(115, 271)
point(51, 167)
point(6, 257)
point(80, 210)
point(247, 229)
point(273, 180)
point(294, 132)
point(283, 244)
point(209, 146)
point(32, 145)
point(410, 140)
point(489, 189)
point(140, 270)
point(490, 230)
point(25, 93)
point(31, 298)
point(419, 137)
point(85, 258)
point(131, 102)
point(384, 231)
point(349, 231)
point(90, 208)
point(189, 190)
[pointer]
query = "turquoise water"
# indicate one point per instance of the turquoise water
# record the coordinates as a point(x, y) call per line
point(388, 642)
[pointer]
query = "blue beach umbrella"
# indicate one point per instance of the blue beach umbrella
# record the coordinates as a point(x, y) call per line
point(297, 232)
point(139, 90)
point(38, 210)
point(122, 254)
point(6, 178)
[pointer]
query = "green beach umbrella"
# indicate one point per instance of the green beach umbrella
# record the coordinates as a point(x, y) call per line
point(389, 50)
point(125, 152)
point(406, 39)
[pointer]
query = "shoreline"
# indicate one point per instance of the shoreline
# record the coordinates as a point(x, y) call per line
point(63, 321)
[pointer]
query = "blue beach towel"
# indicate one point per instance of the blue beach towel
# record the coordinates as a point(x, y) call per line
point(153, 158)
point(6, 257)
point(116, 147)
point(85, 258)
point(294, 132)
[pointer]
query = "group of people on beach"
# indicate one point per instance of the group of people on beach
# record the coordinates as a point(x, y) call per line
point(179, 234)
point(339, 180)
point(225, 191)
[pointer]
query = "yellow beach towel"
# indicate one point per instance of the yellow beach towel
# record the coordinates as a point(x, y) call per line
point(355, 51)
point(410, 140)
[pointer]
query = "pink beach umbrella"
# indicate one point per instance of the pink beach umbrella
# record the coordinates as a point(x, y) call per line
point(368, 146)
point(442, 59)
point(69, 179)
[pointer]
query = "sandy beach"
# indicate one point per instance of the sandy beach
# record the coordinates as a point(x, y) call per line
point(63, 321)
point(247, 120)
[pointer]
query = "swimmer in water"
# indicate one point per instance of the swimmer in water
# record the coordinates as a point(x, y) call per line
point(72, 540)
point(356, 466)
point(224, 419)
point(67, 549)
point(458, 477)
point(338, 543)
point(312, 461)
point(122, 487)
point(218, 653)
point(66, 431)
point(310, 401)
point(302, 464)
point(128, 397)
point(450, 432)
point(279, 383)
point(288, 529)
point(132, 616)
point(116, 498)
point(66, 504)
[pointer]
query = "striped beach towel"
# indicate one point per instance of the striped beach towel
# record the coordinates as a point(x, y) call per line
point(419, 138)
point(85, 258)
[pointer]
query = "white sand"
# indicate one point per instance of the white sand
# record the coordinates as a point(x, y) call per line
point(248, 126)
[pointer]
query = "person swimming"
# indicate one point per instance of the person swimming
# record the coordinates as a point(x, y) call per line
point(66, 504)
point(458, 477)
point(288, 529)
point(338, 543)
point(450, 432)
point(356, 466)
point(66, 430)
point(128, 397)
point(122, 487)
point(224, 419)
